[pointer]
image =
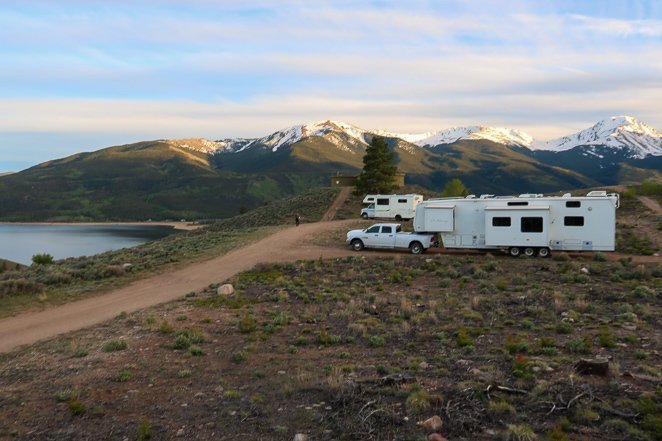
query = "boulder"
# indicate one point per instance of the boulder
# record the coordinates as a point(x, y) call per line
point(225, 290)
point(432, 424)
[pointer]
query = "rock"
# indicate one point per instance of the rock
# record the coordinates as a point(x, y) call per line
point(225, 290)
point(592, 366)
point(180, 432)
point(300, 437)
point(584, 270)
point(432, 424)
point(436, 437)
point(424, 365)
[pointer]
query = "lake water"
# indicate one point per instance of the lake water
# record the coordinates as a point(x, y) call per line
point(19, 242)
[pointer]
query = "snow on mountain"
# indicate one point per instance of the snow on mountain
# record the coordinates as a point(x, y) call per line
point(620, 132)
point(500, 135)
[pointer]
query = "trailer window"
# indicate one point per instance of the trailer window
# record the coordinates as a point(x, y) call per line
point(517, 203)
point(531, 225)
point(374, 229)
point(500, 221)
point(573, 204)
point(573, 221)
point(383, 201)
point(387, 230)
point(402, 201)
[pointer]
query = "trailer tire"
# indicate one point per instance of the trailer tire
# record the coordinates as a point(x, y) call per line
point(398, 218)
point(514, 251)
point(544, 252)
point(416, 248)
point(529, 252)
point(364, 215)
point(357, 245)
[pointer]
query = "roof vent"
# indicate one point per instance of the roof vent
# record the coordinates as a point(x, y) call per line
point(597, 193)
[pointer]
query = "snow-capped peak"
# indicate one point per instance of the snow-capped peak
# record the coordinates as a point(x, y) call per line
point(621, 132)
point(325, 129)
point(500, 135)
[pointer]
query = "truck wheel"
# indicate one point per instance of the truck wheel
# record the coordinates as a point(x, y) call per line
point(514, 251)
point(416, 248)
point(398, 218)
point(357, 245)
point(364, 215)
point(543, 252)
point(529, 252)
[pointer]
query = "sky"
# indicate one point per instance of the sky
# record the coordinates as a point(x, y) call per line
point(79, 75)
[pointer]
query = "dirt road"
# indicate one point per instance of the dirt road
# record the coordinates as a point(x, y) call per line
point(287, 245)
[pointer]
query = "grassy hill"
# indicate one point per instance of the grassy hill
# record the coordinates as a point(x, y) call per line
point(488, 167)
point(148, 180)
point(162, 180)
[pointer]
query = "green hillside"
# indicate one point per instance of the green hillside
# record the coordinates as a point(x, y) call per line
point(147, 180)
point(488, 167)
point(163, 180)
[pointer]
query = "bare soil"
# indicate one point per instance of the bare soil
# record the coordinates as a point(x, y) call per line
point(361, 348)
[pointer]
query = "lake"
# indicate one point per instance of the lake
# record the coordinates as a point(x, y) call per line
point(19, 242)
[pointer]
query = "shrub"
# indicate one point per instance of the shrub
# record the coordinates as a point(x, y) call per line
point(76, 407)
point(463, 339)
point(239, 356)
point(165, 328)
point(247, 324)
point(42, 259)
point(418, 401)
point(145, 430)
point(564, 328)
point(376, 341)
point(114, 345)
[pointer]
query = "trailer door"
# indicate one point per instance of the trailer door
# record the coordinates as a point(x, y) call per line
point(517, 226)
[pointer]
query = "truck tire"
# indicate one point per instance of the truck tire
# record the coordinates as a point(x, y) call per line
point(357, 245)
point(544, 252)
point(416, 248)
point(529, 252)
point(364, 215)
point(514, 251)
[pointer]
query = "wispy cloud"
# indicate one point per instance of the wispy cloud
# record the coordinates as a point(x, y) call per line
point(242, 68)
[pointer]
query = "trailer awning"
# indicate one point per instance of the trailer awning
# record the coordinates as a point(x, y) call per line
point(440, 207)
point(519, 208)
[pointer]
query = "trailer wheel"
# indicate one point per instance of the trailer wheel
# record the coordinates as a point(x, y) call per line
point(364, 215)
point(514, 251)
point(398, 218)
point(544, 252)
point(357, 245)
point(529, 252)
point(416, 248)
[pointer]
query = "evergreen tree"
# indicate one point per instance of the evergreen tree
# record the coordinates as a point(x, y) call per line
point(378, 172)
point(454, 187)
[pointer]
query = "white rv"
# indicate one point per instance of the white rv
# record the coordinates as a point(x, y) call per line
point(529, 223)
point(390, 206)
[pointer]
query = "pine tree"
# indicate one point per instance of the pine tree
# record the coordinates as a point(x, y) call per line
point(378, 172)
point(454, 187)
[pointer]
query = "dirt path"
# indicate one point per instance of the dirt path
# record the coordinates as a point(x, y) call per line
point(340, 199)
point(291, 244)
point(651, 204)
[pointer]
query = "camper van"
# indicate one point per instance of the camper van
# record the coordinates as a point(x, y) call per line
point(390, 206)
point(531, 224)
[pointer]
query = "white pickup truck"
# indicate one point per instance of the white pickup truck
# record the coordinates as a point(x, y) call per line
point(390, 236)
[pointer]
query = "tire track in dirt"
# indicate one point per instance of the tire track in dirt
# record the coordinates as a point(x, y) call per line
point(287, 245)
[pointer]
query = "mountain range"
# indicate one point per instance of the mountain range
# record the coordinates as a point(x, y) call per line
point(200, 178)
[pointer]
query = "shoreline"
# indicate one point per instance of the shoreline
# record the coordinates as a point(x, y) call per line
point(184, 226)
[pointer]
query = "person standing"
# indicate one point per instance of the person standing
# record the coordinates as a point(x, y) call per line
point(297, 219)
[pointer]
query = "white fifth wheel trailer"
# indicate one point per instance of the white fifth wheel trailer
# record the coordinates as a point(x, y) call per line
point(529, 223)
point(391, 206)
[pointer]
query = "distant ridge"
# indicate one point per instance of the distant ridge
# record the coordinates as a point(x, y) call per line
point(625, 133)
